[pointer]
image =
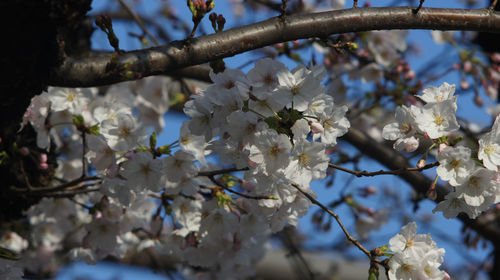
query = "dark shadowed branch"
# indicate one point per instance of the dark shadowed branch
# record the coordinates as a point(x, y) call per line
point(100, 70)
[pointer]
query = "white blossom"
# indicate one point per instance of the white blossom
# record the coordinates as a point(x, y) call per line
point(489, 147)
point(455, 164)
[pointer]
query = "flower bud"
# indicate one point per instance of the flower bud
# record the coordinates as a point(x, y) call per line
point(43, 166)
point(464, 84)
point(478, 100)
point(421, 163)
point(369, 190)
point(24, 151)
point(248, 185)
point(495, 57)
point(431, 192)
point(410, 75)
point(316, 127)
point(467, 66)
point(43, 158)
point(441, 147)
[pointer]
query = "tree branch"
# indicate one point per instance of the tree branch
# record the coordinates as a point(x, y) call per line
point(75, 72)
point(392, 159)
point(382, 172)
point(353, 240)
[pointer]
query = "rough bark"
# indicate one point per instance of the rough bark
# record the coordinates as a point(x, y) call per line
point(37, 35)
point(100, 70)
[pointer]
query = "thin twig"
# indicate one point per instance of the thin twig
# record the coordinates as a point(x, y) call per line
point(26, 177)
point(84, 151)
point(59, 187)
point(68, 194)
point(283, 8)
point(80, 203)
point(415, 11)
point(221, 171)
point(337, 218)
point(492, 6)
point(383, 172)
point(295, 252)
point(211, 177)
point(139, 21)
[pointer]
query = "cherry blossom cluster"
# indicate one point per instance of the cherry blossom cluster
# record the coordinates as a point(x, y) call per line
point(415, 256)
point(476, 185)
point(274, 125)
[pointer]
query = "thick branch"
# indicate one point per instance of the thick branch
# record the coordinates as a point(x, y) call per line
point(74, 72)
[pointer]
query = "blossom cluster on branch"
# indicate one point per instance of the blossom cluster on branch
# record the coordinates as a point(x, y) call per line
point(276, 127)
point(242, 167)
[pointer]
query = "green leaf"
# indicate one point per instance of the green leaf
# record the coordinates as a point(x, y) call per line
point(94, 129)
point(78, 121)
point(165, 150)
point(152, 140)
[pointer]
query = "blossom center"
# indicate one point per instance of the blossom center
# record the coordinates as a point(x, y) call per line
point(474, 182)
point(268, 79)
point(304, 159)
point(70, 96)
point(185, 140)
point(405, 127)
point(455, 163)
point(229, 84)
point(125, 131)
point(490, 149)
point(406, 267)
point(438, 119)
point(329, 123)
point(274, 151)
point(409, 244)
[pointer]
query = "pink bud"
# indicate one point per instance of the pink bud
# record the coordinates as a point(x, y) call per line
point(410, 75)
point(441, 147)
point(43, 158)
point(431, 192)
point(370, 211)
point(399, 68)
point(467, 66)
point(316, 127)
point(456, 66)
point(24, 151)
point(330, 150)
point(478, 100)
point(368, 190)
point(129, 155)
point(43, 166)
point(248, 185)
point(464, 84)
point(421, 163)
point(446, 276)
point(495, 57)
